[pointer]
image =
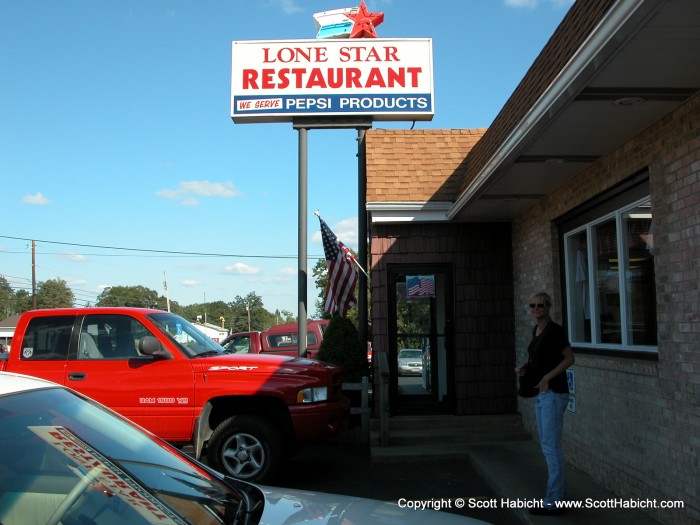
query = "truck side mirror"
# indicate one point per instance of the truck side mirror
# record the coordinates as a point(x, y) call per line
point(149, 345)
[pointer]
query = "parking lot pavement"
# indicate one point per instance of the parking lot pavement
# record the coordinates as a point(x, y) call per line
point(347, 469)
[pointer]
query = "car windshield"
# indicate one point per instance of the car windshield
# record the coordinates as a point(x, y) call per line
point(65, 460)
point(410, 354)
point(193, 342)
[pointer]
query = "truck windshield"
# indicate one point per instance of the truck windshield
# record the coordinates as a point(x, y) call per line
point(187, 336)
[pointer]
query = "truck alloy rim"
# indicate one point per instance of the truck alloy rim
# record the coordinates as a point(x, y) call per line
point(243, 456)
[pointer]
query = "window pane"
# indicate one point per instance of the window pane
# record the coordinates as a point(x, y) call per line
point(47, 338)
point(641, 296)
point(608, 283)
point(580, 318)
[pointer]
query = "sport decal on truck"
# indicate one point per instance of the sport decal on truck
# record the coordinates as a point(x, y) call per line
point(232, 368)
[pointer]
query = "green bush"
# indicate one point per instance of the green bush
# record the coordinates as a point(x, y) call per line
point(341, 346)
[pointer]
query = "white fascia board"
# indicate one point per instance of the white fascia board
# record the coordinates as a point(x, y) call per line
point(393, 212)
point(618, 15)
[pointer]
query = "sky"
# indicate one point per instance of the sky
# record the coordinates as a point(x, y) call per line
point(119, 158)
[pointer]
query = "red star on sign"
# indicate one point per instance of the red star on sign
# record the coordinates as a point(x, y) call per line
point(365, 22)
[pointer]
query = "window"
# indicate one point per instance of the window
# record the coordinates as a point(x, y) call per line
point(47, 338)
point(609, 274)
point(109, 336)
point(239, 344)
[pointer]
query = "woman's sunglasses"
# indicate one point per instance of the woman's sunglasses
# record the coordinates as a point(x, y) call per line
point(536, 305)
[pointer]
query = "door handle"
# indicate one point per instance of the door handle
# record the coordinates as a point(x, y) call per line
point(77, 376)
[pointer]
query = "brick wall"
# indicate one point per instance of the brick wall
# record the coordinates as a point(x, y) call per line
point(636, 428)
point(483, 297)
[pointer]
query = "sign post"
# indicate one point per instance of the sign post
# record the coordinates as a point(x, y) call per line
point(332, 82)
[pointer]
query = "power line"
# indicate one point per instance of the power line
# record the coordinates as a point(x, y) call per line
point(165, 252)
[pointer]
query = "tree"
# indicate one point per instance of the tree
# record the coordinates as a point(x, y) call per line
point(23, 301)
point(134, 296)
point(54, 293)
point(284, 316)
point(320, 273)
point(250, 308)
point(7, 299)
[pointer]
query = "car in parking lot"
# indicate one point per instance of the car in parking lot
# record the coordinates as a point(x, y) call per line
point(67, 460)
point(410, 361)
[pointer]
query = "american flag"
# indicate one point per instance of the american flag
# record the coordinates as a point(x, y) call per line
point(342, 276)
point(420, 286)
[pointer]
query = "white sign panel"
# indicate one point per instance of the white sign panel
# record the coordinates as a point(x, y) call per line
point(571, 380)
point(376, 78)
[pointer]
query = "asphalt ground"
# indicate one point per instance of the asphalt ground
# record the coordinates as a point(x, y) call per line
point(346, 469)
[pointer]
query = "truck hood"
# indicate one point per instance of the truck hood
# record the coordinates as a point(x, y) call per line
point(293, 507)
point(266, 363)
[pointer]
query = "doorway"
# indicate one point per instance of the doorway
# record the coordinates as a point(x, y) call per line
point(420, 339)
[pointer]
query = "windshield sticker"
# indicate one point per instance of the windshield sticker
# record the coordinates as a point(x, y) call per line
point(100, 472)
point(28, 352)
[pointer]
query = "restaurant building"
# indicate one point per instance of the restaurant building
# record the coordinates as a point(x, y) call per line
point(586, 186)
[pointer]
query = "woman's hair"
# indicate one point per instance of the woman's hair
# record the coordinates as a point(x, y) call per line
point(545, 296)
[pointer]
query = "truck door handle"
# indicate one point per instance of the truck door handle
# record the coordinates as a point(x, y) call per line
point(77, 376)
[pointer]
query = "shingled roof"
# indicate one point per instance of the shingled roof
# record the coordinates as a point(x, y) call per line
point(419, 165)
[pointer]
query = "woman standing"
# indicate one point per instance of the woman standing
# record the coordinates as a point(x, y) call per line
point(549, 355)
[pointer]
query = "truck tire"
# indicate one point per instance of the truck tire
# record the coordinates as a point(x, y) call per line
point(246, 447)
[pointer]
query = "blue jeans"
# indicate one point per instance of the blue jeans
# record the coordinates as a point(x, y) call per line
point(549, 412)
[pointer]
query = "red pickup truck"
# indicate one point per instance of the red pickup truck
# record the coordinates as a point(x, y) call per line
point(281, 339)
point(247, 413)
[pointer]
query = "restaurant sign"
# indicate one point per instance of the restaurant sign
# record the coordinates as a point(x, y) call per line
point(378, 79)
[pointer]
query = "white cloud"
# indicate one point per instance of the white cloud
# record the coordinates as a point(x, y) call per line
point(288, 271)
point(76, 282)
point(241, 269)
point(533, 4)
point(37, 199)
point(190, 283)
point(72, 257)
point(188, 190)
point(289, 7)
point(530, 4)
point(345, 231)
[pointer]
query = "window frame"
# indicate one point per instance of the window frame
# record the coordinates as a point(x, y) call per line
point(611, 205)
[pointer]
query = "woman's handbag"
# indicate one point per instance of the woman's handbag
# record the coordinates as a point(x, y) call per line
point(527, 385)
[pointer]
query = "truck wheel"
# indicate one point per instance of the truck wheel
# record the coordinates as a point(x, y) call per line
point(246, 447)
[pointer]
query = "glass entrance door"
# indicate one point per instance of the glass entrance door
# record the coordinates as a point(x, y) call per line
point(420, 340)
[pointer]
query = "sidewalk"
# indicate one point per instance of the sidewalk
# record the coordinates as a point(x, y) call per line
point(480, 472)
point(516, 470)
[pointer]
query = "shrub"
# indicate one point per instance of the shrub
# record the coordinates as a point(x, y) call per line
point(341, 346)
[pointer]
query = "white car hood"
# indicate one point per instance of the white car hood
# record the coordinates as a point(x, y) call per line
point(292, 507)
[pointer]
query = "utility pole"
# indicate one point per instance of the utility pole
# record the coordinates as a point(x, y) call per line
point(34, 275)
point(165, 283)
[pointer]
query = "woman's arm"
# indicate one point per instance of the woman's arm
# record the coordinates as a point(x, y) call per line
point(565, 363)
